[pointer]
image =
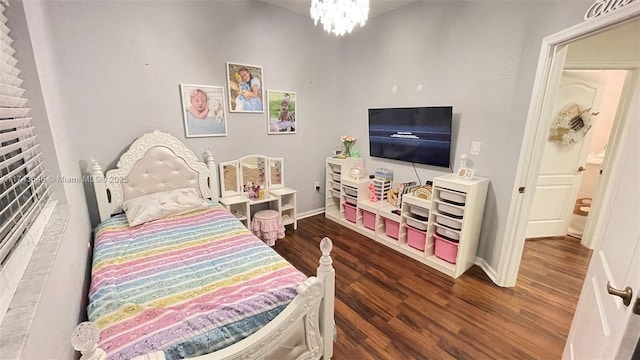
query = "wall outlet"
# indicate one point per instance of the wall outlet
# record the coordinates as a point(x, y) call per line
point(475, 148)
point(317, 185)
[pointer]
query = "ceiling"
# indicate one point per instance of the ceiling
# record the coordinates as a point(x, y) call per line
point(376, 7)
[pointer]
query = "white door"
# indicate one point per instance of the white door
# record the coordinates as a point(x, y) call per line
point(601, 319)
point(562, 165)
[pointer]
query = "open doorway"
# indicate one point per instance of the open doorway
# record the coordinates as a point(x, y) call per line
point(595, 149)
point(612, 47)
point(571, 166)
point(601, 320)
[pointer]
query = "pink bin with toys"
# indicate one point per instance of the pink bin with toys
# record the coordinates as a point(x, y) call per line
point(350, 212)
point(369, 220)
point(416, 238)
point(392, 228)
point(445, 249)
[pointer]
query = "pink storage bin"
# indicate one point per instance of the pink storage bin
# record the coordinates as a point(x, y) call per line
point(392, 228)
point(350, 212)
point(416, 238)
point(369, 219)
point(445, 249)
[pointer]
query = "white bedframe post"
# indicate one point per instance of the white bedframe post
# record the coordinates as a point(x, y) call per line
point(100, 187)
point(213, 174)
point(327, 274)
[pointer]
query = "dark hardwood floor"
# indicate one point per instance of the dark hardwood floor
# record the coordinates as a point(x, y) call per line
point(389, 306)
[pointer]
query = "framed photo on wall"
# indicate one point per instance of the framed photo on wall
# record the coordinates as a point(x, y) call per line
point(281, 107)
point(245, 88)
point(203, 110)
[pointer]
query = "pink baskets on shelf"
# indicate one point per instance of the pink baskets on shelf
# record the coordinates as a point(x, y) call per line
point(369, 220)
point(350, 212)
point(445, 249)
point(416, 238)
point(392, 228)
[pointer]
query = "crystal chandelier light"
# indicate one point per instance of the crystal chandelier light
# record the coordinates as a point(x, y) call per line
point(339, 16)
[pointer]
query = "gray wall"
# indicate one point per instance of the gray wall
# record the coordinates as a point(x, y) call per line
point(479, 57)
point(123, 80)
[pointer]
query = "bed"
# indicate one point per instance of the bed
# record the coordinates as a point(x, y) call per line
point(189, 280)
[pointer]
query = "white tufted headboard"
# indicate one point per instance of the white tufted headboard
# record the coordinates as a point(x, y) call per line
point(154, 162)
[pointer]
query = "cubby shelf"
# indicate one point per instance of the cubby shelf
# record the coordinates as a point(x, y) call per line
point(418, 244)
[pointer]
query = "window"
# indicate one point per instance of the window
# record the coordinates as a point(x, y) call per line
point(23, 186)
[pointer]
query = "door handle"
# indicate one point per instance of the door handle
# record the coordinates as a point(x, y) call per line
point(625, 294)
point(581, 169)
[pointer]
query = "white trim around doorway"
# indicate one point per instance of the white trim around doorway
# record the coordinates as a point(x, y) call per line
point(531, 151)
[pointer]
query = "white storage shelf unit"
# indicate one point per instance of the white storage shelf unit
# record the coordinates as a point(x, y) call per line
point(458, 221)
point(286, 205)
point(336, 170)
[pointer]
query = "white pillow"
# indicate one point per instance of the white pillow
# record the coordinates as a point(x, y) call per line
point(158, 205)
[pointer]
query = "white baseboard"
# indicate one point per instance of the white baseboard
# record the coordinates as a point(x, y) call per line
point(307, 214)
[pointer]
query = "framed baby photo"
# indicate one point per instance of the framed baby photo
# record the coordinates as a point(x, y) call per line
point(282, 106)
point(245, 88)
point(203, 110)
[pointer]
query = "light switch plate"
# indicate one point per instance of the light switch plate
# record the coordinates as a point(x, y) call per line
point(475, 148)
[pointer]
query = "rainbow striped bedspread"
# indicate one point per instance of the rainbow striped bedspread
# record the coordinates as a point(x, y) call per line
point(186, 285)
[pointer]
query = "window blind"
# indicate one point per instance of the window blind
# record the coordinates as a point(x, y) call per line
point(23, 186)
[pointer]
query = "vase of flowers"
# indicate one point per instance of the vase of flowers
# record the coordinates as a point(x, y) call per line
point(347, 141)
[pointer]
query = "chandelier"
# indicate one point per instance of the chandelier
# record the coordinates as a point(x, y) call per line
point(339, 16)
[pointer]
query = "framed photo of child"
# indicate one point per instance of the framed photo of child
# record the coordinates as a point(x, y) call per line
point(203, 110)
point(282, 106)
point(245, 88)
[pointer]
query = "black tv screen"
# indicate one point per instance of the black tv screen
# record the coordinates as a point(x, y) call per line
point(418, 135)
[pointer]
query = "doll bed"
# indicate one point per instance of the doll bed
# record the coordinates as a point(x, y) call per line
point(196, 283)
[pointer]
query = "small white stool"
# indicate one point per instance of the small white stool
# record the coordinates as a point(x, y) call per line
point(267, 225)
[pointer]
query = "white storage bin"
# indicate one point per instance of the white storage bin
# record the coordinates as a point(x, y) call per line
point(381, 184)
point(447, 233)
point(420, 225)
point(453, 196)
point(381, 187)
point(457, 225)
point(450, 210)
point(350, 191)
point(335, 168)
point(336, 186)
point(336, 177)
point(417, 210)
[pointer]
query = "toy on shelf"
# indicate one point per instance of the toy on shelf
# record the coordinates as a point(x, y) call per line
point(255, 191)
point(381, 187)
point(423, 192)
point(357, 172)
point(384, 174)
point(372, 193)
point(394, 196)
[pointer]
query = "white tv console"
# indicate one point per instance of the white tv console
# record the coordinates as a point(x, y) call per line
point(341, 189)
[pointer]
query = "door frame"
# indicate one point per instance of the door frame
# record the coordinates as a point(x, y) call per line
point(601, 200)
point(553, 49)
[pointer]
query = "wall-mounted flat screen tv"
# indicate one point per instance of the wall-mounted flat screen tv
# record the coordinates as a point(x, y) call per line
point(418, 135)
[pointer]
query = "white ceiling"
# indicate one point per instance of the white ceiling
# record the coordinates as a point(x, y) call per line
point(376, 7)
